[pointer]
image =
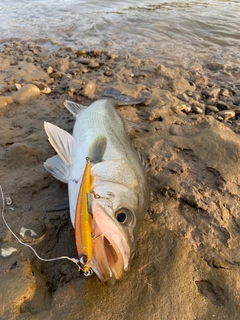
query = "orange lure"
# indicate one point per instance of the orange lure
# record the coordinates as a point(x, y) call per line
point(83, 221)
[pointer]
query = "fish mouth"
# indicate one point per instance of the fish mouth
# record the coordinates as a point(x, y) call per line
point(111, 249)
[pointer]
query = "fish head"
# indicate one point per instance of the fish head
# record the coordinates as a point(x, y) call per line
point(118, 209)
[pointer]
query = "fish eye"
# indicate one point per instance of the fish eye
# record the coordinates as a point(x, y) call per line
point(124, 216)
point(121, 217)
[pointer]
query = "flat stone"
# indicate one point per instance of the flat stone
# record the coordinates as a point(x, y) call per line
point(27, 92)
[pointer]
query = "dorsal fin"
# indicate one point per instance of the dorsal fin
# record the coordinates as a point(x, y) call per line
point(62, 141)
point(96, 149)
point(122, 99)
point(74, 107)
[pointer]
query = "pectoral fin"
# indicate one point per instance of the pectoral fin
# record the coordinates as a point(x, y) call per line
point(61, 141)
point(97, 149)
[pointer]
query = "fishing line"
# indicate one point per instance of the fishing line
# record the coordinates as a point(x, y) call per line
point(76, 261)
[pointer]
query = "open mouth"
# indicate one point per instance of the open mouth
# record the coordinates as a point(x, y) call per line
point(111, 250)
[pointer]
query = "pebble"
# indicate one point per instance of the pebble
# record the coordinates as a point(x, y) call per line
point(8, 201)
point(197, 109)
point(18, 86)
point(81, 52)
point(49, 70)
point(7, 251)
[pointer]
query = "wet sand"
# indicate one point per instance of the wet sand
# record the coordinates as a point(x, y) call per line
point(187, 261)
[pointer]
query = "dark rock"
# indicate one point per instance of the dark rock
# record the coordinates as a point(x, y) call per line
point(222, 105)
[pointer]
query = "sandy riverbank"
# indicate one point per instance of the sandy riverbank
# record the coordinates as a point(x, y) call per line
point(187, 262)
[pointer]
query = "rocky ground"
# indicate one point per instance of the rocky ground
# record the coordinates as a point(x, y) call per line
point(188, 258)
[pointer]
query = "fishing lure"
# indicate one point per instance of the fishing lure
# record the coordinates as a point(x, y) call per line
point(83, 222)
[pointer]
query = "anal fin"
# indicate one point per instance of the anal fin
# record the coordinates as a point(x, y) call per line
point(57, 167)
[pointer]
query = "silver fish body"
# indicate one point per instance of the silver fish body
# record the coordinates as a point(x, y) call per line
point(119, 194)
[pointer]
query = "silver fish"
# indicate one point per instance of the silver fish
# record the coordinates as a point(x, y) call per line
point(119, 196)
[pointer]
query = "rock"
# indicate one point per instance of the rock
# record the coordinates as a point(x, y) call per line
point(21, 153)
point(200, 80)
point(197, 109)
point(212, 108)
point(70, 49)
point(97, 52)
point(24, 72)
point(224, 93)
point(56, 75)
point(81, 52)
point(222, 105)
point(43, 87)
point(180, 85)
point(32, 230)
point(74, 86)
point(46, 90)
point(211, 92)
point(166, 72)
point(182, 107)
point(113, 56)
point(86, 61)
point(94, 65)
point(18, 86)
point(226, 114)
point(196, 96)
point(184, 97)
point(27, 92)
point(21, 284)
point(89, 90)
point(3, 88)
point(5, 100)
point(49, 70)
point(61, 65)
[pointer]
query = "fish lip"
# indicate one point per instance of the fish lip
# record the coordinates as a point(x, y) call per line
point(111, 249)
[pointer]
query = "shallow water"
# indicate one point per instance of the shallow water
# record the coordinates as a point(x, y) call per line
point(174, 31)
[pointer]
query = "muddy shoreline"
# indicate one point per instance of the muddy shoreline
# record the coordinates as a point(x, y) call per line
point(187, 262)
